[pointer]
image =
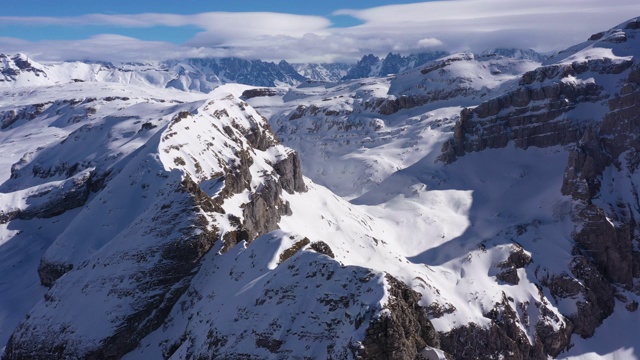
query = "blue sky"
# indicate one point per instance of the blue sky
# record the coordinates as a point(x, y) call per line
point(294, 30)
point(171, 34)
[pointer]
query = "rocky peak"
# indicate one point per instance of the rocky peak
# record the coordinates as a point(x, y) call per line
point(522, 54)
point(372, 66)
point(12, 66)
point(363, 68)
point(162, 207)
point(331, 72)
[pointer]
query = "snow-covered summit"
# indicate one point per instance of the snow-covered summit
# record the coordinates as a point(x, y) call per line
point(13, 66)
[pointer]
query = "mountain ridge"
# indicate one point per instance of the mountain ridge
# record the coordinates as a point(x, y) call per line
point(205, 74)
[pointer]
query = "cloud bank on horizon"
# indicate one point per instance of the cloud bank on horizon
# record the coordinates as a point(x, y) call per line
point(452, 25)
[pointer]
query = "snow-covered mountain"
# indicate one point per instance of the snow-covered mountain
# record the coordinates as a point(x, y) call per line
point(322, 72)
point(205, 74)
point(522, 54)
point(234, 70)
point(201, 75)
point(373, 66)
point(352, 135)
point(474, 206)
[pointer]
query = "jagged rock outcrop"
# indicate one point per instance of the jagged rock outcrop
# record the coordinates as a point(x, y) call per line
point(609, 229)
point(505, 336)
point(203, 74)
point(539, 111)
point(372, 66)
point(263, 212)
point(326, 72)
point(403, 331)
point(259, 92)
point(555, 106)
point(509, 268)
point(289, 171)
point(475, 342)
point(322, 248)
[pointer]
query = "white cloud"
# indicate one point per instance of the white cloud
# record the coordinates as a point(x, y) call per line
point(429, 43)
point(479, 24)
point(451, 24)
point(234, 29)
point(106, 47)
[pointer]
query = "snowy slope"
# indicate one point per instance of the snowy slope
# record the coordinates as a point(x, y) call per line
point(44, 126)
point(368, 129)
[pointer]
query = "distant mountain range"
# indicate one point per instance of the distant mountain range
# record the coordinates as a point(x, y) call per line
point(204, 74)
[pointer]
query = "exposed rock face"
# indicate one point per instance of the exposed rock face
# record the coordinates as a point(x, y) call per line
point(363, 68)
point(402, 332)
point(326, 72)
point(49, 272)
point(260, 92)
point(609, 229)
point(505, 337)
point(554, 106)
point(71, 194)
point(153, 258)
point(231, 70)
point(598, 295)
point(26, 113)
point(265, 207)
point(290, 172)
point(292, 250)
point(372, 66)
point(263, 212)
point(532, 114)
point(516, 260)
point(322, 248)
point(527, 116)
point(486, 343)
